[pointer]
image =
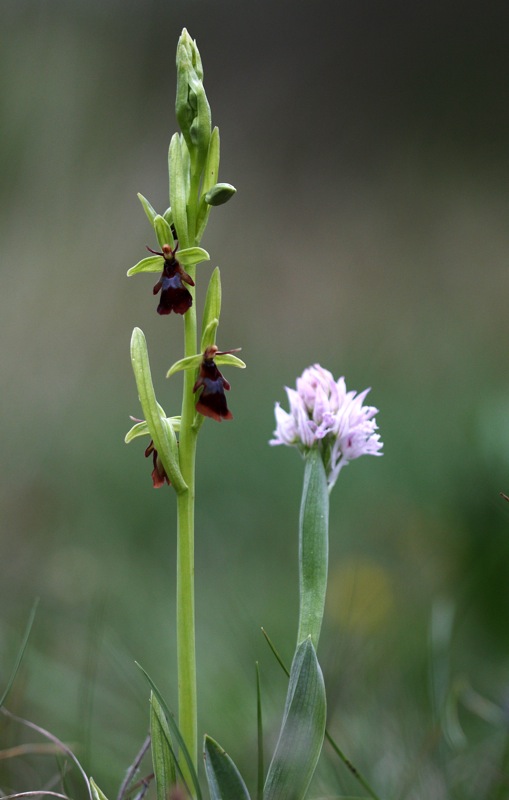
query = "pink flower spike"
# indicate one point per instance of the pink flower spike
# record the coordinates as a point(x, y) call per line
point(323, 414)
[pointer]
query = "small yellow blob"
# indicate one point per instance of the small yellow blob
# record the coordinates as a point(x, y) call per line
point(360, 596)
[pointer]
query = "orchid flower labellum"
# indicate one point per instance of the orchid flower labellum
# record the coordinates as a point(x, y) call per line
point(174, 295)
point(212, 399)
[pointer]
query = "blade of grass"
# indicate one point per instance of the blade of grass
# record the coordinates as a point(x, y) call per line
point(63, 747)
point(21, 652)
point(259, 725)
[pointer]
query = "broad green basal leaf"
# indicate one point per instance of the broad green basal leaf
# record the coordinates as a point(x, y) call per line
point(302, 731)
point(224, 779)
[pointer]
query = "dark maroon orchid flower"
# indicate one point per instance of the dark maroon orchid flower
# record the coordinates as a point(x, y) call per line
point(174, 295)
point(212, 399)
point(159, 476)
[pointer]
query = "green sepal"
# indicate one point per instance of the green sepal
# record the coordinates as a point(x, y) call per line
point(97, 794)
point(168, 215)
point(148, 209)
point(141, 428)
point(230, 360)
point(220, 194)
point(302, 730)
point(191, 362)
point(161, 432)
point(163, 754)
point(178, 193)
point(163, 232)
point(224, 779)
point(150, 264)
point(211, 310)
point(192, 255)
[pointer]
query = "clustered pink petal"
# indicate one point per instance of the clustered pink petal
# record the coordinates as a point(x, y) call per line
point(323, 414)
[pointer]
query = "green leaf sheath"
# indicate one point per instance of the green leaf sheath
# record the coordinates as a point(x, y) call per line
point(313, 548)
point(302, 731)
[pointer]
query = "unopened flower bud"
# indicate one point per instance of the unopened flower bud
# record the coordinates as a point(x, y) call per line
point(220, 194)
point(192, 107)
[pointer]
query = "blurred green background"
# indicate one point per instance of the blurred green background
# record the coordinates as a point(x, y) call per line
point(369, 145)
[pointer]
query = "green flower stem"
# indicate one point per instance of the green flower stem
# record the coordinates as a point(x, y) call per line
point(313, 548)
point(186, 646)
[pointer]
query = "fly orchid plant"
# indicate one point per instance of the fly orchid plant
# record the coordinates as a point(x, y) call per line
point(327, 424)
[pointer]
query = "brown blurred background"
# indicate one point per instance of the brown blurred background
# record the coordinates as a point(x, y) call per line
point(369, 145)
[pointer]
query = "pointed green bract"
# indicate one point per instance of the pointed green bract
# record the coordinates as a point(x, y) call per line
point(224, 780)
point(97, 794)
point(302, 730)
point(163, 756)
point(211, 310)
point(162, 434)
point(150, 264)
point(163, 232)
point(178, 194)
point(148, 209)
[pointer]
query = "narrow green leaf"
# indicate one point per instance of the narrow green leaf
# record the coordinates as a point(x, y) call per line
point(163, 757)
point(302, 731)
point(211, 310)
point(190, 362)
point(97, 794)
point(192, 255)
point(21, 652)
point(178, 194)
point(162, 433)
point(150, 264)
point(148, 209)
point(163, 232)
point(170, 719)
point(224, 779)
point(313, 548)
